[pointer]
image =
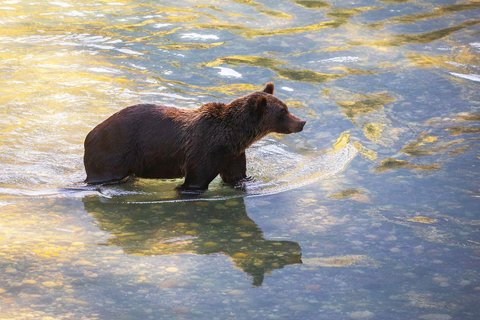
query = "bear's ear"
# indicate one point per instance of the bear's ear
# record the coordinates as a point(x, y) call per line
point(269, 88)
point(262, 103)
point(259, 106)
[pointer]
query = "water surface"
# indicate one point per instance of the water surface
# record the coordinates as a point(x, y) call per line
point(370, 213)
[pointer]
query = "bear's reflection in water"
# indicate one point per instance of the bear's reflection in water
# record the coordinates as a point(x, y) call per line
point(193, 227)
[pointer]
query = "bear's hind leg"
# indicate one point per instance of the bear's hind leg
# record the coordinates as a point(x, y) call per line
point(105, 180)
point(111, 174)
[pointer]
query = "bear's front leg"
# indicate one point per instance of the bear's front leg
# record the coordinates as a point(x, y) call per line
point(197, 178)
point(234, 170)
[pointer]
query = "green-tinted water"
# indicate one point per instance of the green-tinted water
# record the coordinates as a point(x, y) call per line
point(370, 213)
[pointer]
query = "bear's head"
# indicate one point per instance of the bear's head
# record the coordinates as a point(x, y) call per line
point(272, 113)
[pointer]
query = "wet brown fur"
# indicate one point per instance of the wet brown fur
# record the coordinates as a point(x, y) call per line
point(155, 141)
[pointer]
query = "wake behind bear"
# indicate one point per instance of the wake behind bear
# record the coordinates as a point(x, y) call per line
point(159, 142)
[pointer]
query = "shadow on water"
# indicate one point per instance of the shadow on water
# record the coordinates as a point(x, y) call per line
point(437, 12)
point(193, 227)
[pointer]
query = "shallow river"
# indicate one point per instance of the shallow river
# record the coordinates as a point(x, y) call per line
point(372, 212)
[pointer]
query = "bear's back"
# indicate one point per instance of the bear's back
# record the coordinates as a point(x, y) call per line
point(135, 140)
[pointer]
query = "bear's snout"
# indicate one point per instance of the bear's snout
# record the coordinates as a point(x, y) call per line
point(301, 124)
point(295, 124)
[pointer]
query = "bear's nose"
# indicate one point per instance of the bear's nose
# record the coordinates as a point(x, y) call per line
point(301, 125)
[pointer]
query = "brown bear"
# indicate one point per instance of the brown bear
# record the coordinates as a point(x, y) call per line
point(155, 141)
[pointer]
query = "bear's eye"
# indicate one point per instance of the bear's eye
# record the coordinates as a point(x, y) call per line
point(282, 114)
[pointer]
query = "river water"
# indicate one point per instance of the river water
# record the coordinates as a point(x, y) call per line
point(372, 212)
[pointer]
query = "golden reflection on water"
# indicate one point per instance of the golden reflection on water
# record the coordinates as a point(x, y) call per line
point(429, 36)
point(395, 164)
point(313, 4)
point(437, 12)
point(41, 88)
point(426, 145)
point(437, 148)
point(261, 8)
point(340, 261)
point(34, 251)
point(283, 72)
point(66, 65)
point(361, 104)
point(355, 194)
